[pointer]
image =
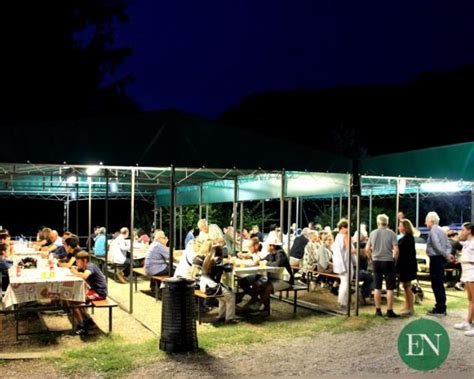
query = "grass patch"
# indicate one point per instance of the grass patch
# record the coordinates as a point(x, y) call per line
point(109, 356)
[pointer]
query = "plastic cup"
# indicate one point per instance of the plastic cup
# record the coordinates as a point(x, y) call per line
point(44, 275)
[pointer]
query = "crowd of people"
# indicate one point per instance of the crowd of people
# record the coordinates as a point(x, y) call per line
point(383, 256)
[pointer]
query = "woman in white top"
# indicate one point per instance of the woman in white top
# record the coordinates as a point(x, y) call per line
point(467, 264)
point(341, 261)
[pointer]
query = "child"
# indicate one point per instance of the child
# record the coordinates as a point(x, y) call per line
point(97, 289)
point(5, 264)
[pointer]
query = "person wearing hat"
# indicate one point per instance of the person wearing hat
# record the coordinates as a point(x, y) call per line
point(277, 258)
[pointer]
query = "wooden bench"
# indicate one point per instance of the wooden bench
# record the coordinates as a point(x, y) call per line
point(201, 295)
point(158, 278)
point(107, 303)
point(295, 288)
point(136, 273)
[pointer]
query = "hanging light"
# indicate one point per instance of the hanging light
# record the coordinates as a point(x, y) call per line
point(92, 170)
point(113, 186)
point(402, 186)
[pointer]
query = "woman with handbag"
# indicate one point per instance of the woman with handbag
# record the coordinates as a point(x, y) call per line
point(210, 283)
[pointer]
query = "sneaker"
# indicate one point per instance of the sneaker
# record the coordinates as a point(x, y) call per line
point(458, 286)
point(469, 333)
point(406, 312)
point(378, 313)
point(435, 312)
point(391, 314)
point(81, 331)
point(463, 326)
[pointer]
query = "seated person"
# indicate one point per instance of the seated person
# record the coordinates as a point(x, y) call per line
point(100, 242)
point(6, 239)
point(156, 258)
point(119, 249)
point(184, 268)
point(297, 251)
point(310, 257)
point(254, 285)
point(5, 265)
point(43, 238)
point(278, 258)
point(324, 263)
point(72, 249)
point(97, 289)
point(212, 269)
point(143, 237)
point(53, 242)
point(60, 252)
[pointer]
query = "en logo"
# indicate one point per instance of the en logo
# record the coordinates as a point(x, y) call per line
point(423, 344)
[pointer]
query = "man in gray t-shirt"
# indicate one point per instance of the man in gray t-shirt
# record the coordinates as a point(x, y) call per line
point(382, 248)
point(382, 242)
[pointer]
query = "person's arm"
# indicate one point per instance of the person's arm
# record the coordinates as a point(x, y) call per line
point(83, 275)
point(368, 250)
point(395, 250)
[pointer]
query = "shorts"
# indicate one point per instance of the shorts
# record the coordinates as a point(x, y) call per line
point(91, 296)
point(467, 272)
point(384, 270)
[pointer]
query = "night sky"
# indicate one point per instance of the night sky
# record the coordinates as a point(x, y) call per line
point(205, 57)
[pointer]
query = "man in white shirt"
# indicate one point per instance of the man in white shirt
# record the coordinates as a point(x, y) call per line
point(118, 253)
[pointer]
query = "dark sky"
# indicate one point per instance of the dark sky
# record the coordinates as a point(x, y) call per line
point(205, 56)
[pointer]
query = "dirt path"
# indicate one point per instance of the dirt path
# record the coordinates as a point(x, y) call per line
point(371, 352)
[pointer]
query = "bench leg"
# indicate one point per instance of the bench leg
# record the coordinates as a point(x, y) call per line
point(17, 328)
point(199, 310)
point(136, 282)
point(110, 319)
point(295, 301)
point(156, 290)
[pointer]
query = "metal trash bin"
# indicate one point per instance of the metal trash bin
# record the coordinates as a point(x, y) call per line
point(178, 316)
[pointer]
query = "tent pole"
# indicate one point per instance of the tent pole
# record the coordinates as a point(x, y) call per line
point(207, 212)
point(340, 206)
point(175, 231)
point(472, 206)
point(397, 206)
point(155, 210)
point(200, 201)
point(181, 226)
point(132, 237)
point(417, 207)
point(370, 211)
point(67, 211)
point(301, 212)
point(234, 216)
point(106, 222)
point(161, 218)
point(289, 224)
point(77, 210)
point(172, 218)
point(349, 268)
point(89, 213)
point(282, 204)
point(297, 213)
point(241, 224)
point(263, 216)
point(358, 257)
point(65, 215)
point(332, 212)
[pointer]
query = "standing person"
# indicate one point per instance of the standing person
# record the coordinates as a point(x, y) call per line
point(382, 248)
point(438, 249)
point(156, 256)
point(467, 262)
point(342, 249)
point(406, 264)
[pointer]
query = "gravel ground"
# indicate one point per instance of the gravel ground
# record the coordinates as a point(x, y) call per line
point(368, 353)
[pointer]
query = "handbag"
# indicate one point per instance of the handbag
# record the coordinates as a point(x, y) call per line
point(214, 291)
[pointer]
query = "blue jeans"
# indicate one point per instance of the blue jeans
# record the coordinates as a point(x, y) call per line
point(437, 264)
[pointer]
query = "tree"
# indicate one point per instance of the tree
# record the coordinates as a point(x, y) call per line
point(60, 60)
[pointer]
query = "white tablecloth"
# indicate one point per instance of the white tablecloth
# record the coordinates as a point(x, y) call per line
point(32, 286)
